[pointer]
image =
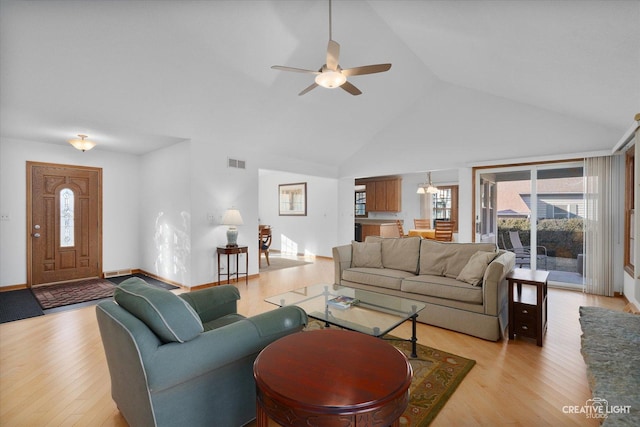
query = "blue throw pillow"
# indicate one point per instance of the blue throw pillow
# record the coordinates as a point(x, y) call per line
point(171, 318)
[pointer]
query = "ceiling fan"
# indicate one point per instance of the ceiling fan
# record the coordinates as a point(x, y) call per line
point(331, 75)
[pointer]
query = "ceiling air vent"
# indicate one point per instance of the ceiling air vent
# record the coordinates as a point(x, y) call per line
point(234, 163)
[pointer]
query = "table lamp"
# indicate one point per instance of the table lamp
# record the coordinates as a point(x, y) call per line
point(232, 218)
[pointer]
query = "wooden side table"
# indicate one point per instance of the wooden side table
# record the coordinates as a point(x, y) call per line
point(234, 250)
point(331, 378)
point(528, 312)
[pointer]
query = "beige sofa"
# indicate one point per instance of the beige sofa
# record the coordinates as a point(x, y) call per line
point(463, 284)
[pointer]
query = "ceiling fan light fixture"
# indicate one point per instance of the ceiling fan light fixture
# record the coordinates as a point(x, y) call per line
point(82, 144)
point(331, 79)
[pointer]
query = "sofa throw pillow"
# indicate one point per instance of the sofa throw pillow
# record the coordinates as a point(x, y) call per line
point(366, 255)
point(401, 253)
point(171, 318)
point(448, 258)
point(473, 272)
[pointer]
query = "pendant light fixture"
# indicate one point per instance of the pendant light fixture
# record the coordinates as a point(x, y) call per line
point(427, 187)
point(82, 144)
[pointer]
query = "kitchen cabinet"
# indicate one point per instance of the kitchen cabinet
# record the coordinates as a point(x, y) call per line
point(383, 194)
point(370, 230)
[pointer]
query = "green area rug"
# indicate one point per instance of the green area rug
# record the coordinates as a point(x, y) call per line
point(279, 263)
point(436, 375)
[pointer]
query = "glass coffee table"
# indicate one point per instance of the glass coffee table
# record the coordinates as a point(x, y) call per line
point(371, 313)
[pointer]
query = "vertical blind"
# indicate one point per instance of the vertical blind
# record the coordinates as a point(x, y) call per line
point(599, 221)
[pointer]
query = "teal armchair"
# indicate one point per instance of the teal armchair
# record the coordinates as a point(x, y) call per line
point(186, 360)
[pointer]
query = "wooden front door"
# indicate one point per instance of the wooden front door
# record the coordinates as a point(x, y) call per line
point(64, 223)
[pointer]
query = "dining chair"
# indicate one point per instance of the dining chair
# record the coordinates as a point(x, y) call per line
point(264, 243)
point(400, 228)
point(422, 223)
point(444, 231)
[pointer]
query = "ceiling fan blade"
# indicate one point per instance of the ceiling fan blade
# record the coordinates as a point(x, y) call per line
point(333, 54)
point(366, 69)
point(351, 88)
point(296, 70)
point(308, 88)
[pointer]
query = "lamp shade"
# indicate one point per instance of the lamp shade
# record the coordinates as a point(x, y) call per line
point(232, 217)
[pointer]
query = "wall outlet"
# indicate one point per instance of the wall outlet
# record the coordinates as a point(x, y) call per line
point(4, 217)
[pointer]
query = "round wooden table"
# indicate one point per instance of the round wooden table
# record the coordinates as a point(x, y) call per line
point(331, 378)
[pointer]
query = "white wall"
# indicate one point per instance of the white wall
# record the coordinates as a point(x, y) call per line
point(165, 213)
point(120, 205)
point(314, 234)
point(429, 135)
point(214, 188)
point(162, 211)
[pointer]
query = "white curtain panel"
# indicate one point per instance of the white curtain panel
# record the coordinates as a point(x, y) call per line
point(598, 228)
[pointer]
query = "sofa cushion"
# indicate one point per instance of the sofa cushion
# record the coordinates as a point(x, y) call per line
point(171, 318)
point(381, 277)
point(447, 259)
point(399, 253)
point(442, 287)
point(473, 272)
point(368, 254)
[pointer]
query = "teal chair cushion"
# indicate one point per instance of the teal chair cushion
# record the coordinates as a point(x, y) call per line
point(171, 318)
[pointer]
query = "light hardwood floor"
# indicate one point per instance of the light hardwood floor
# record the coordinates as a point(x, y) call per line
point(53, 370)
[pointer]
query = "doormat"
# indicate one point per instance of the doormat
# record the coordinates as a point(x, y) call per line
point(17, 305)
point(51, 296)
point(436, 375)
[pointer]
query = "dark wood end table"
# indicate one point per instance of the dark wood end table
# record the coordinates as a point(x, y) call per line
point(528, 313)
point(331, 378)
point(234, 250)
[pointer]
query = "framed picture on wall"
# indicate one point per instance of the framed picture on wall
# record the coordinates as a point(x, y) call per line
point(292, 199)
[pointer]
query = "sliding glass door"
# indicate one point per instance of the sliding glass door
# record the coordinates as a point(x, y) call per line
point(537, 212)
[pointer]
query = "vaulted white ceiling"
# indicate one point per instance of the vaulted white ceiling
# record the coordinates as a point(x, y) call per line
point(140, 75)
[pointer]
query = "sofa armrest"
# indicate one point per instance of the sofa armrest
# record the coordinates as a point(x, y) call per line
point(213, 303)
point(341, 261)
point(494, 284)
point(175, 363)
point(275, 321)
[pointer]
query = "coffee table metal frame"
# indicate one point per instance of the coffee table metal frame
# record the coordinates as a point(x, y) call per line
point(374, 314)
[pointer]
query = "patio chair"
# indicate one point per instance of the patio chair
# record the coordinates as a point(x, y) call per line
point(523, 254)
